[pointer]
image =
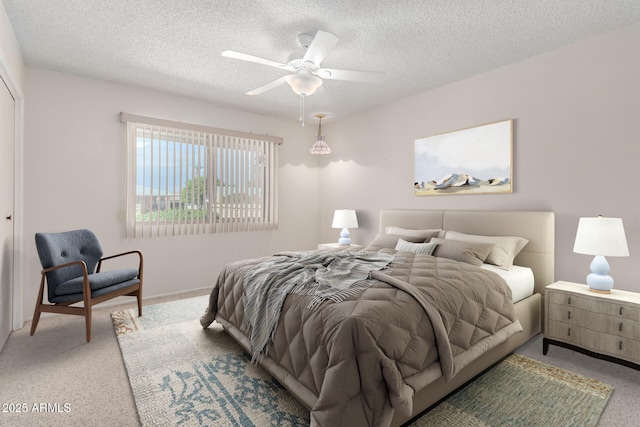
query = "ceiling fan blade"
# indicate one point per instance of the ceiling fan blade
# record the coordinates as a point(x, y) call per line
point(256, 59)
point(322, 43)
point(351, 75)
point(268, 86)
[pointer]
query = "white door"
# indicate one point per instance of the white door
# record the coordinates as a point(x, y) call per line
point(7, 125)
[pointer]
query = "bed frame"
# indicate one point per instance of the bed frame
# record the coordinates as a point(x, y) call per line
point(538, 254)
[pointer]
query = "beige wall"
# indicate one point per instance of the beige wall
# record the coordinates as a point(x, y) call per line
point(576, 146)
point(74, 150)
point(575, 152)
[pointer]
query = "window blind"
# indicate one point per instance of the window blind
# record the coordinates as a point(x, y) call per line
point(186, 179)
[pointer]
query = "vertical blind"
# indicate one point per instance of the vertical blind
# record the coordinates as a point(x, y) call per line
point(188, 179)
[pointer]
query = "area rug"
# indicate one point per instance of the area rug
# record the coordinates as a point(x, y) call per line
point(184, 375)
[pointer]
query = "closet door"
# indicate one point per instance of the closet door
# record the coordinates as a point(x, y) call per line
point(7, 125)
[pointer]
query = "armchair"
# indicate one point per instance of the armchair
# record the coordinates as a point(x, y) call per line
point(72, 270)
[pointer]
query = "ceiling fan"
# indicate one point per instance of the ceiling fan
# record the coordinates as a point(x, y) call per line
point(305, 75)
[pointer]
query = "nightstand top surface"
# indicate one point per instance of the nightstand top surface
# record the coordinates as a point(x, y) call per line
point(335, 245)
point(583, 289)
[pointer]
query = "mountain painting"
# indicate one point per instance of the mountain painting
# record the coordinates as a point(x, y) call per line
point(477, 160)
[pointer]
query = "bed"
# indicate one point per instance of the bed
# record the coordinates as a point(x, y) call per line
point(351, 370)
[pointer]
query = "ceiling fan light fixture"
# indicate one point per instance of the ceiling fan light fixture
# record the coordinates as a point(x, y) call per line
point(304, 84)
point(320, 146)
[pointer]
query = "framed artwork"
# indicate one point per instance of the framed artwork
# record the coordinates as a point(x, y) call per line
point(477, 160)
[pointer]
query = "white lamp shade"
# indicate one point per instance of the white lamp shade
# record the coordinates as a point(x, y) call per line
point(345, 218)
point(601, 236)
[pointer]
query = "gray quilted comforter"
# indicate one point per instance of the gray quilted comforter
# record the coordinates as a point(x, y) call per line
point(363, 358)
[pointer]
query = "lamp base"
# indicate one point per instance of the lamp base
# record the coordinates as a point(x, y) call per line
point(345, 238)
point(599, 291)
point(599, 281)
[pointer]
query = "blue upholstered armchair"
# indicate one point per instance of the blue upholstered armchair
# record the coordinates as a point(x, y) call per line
point(71, 263)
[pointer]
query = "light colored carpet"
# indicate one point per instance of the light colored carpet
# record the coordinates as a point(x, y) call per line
point(57, 365)
point(183, 375)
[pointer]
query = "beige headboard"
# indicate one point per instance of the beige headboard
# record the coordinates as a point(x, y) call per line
point(536, 226)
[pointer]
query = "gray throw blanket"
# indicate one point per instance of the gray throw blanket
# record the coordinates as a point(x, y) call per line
point(325, 275)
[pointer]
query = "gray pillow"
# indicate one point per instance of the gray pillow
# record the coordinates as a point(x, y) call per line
point(473, 253)
point(505, 248)
point(416, 248)
point(384, 240)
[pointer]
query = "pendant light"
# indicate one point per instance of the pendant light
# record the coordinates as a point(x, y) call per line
point(320, 147)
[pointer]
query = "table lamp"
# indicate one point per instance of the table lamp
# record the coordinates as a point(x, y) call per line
point(600, 237)
point(345, 219)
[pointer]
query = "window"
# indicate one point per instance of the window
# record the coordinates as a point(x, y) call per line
point(190, 179)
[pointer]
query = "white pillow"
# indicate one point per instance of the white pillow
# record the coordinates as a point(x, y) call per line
point(425, 234)
point(416, 248)
point(503, 253)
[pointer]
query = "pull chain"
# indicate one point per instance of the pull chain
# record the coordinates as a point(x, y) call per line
point(301, 118)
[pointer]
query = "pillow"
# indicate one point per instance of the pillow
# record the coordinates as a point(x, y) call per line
point(384, 240)
point(473, 253)
point(416, 248)
point(412, 232)
point(505, 249)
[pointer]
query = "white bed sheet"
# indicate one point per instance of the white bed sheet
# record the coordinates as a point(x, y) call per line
point(519, 279)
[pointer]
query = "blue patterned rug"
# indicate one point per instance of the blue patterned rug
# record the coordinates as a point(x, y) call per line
point(183, 375)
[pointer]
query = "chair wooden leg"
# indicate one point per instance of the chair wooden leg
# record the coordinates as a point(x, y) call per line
point(36, 319)
point(139, 297)
point(36, 312)
point(87, 320)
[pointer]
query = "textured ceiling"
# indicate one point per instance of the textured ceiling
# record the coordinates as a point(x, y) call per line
point(175, 45)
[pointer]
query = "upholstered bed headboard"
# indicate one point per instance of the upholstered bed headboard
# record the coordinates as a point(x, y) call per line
point(536, 226)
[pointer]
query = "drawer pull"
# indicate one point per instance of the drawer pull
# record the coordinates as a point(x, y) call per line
point(620, 327)
point(620, 311)
point(620, 346)
point(569, 301)
point(569, 332)
point(569, 315)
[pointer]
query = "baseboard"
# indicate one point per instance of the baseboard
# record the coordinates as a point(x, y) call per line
point(122, 300)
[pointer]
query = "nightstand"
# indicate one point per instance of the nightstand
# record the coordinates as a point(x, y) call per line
point(335, 246)
point(606, 326)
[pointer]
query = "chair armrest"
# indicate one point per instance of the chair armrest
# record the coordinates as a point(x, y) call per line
point(122, 254)
point(69, 264)
point(140, 257)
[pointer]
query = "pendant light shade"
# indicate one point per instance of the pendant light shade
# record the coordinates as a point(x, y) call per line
point(320, 146)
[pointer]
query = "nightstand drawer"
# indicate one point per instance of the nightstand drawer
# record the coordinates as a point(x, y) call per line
point(614, 325)
point(568, 314)
point(595, 305)
point(613, 345)
point(563, 332)
point(599, 342)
